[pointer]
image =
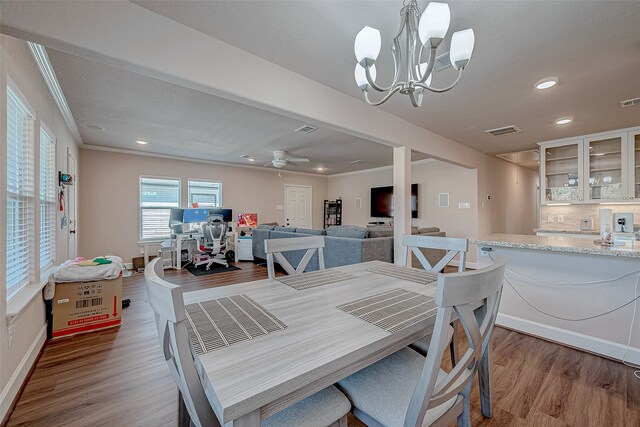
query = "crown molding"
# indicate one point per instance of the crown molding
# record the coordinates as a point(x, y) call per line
point(188, 159)
point(382, 168)
point(46, 69)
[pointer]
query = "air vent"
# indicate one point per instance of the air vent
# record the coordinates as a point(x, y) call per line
point(442, 62)
point(630, 102)
point(306, 129)
point(355, 162)
point(507, 130)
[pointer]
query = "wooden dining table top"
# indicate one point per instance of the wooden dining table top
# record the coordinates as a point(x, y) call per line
point(319, 346)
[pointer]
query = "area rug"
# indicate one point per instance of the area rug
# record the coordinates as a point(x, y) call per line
point(215, 268)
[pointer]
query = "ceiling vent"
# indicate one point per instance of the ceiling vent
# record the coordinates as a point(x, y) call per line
point(442, 62)
point(507, 130)
point(307, 129)
point(355, 162)
point(630, 102)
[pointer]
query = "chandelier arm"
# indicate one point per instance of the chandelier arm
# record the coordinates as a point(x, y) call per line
point(431, 64)
point(383, 100)
point(416, 101)
point(396, 59)
point(438, 90)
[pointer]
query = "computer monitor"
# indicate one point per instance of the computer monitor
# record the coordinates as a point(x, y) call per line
point(195, 215)
point(248, 220)
point(227, 214)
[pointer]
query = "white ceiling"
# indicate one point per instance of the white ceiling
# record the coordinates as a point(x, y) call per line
point(178, 121)
point(593, 47)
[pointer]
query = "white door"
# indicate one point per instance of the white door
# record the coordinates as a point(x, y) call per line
point(297, 206)
point(72, 214)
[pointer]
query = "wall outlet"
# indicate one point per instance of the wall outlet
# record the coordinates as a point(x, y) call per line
point(484, 251)
point(586, 224)
point(560, 218)
point(279, 207)
point(550, 218)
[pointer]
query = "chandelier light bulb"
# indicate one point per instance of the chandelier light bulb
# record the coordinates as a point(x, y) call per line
point(361, 76)
point(367, 44)
point(434, 22)
point(462, 43)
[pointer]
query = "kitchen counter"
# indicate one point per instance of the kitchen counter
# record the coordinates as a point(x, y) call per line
point(556, 244)
point(585, 232)
point(569, 290)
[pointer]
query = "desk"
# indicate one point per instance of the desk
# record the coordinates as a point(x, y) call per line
point(179, 238)
point(253, 379)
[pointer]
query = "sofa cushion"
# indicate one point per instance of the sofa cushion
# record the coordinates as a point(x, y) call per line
point(266, 226)
point(428, 230)
point(287, 229)
point(380, 233)
point(350, 231)
point(310, 231)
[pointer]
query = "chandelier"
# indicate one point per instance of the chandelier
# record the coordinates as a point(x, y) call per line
point(421, 33)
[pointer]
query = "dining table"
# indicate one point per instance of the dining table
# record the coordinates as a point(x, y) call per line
point(313, 340)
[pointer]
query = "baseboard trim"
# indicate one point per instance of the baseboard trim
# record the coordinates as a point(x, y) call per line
point(599, 346)
point(15, 385)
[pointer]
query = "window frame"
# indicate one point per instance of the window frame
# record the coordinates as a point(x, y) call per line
point(52, 203)
point(31, 200)
point(212, 181)
point(141, 208)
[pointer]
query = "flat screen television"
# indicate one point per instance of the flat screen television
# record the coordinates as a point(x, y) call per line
point(382, 202)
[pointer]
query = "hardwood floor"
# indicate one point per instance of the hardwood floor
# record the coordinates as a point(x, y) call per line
point(118, 377)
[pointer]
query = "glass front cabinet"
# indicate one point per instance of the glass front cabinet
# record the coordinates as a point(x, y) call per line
point(561, 166)
point(602, 168)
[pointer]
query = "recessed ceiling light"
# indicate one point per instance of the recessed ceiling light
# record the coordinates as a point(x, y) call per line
point(546, 83)
point(94, 127)
point(564, 120)
point(251, 159)
point(142, 142)
point(320, 169)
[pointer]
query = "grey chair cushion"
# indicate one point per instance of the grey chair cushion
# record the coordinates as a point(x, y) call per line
point(428, 230)
point(310, 231)
point(350, 231)
point(318, 410)
point(422, 345)
point(383, 390)
point(380, 233)
point(266, 226)
point(288, 229)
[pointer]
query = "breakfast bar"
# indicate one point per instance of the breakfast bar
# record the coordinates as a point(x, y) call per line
point(569, 290)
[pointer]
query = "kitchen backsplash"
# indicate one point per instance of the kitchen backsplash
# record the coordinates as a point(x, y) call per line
point(571, 215)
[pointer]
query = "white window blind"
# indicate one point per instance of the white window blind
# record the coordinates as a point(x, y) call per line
point(47, 200)
point(157, 197)
point(20, 193)
point(207, 194)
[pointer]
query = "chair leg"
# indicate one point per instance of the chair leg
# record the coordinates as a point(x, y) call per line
point(453, 345)
point(464, 419)
point(342, 422)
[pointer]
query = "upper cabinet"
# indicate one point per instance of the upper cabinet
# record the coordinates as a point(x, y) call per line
point(591, 169)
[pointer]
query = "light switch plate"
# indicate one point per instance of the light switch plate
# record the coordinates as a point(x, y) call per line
point(560, 218)
point(279, 207)
point(464, 205)
point(550, 218)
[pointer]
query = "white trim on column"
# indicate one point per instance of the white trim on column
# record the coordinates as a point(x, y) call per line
point(49, 76)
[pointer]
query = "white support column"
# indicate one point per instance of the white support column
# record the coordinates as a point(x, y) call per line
point(401, 199)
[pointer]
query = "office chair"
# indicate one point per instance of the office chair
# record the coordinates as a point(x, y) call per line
point(214, 241)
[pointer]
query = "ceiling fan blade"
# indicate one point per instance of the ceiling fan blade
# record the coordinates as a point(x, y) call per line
point(297, 160)
point(268, 164)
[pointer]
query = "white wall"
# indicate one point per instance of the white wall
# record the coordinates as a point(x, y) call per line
point(17, 63)
point(110, 195)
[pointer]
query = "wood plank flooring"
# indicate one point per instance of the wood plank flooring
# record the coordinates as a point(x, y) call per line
point(118, 377)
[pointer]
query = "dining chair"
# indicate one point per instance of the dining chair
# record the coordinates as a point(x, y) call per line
point(275, 247)
point(409, 390)
point(454, 246)
point(328, 407)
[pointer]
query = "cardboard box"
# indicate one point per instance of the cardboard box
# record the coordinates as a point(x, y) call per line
point(86, 306)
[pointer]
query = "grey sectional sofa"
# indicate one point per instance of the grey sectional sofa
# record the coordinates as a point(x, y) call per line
point(347, 244)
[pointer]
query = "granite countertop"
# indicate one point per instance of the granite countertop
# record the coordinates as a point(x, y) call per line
point(586, 232)
point(578, 245)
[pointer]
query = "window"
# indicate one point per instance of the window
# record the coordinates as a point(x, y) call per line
point(207, 194)
point(20, 192)
point(47, 200)
point(157, 197)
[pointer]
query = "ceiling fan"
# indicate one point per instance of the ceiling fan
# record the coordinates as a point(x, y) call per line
point(279, 160)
